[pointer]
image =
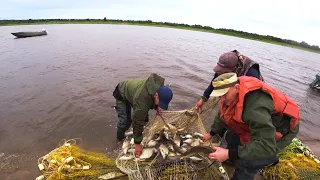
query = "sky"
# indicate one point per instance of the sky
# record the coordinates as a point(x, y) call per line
point(295, 19)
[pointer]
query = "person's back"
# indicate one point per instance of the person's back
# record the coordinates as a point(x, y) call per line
point(130, 88)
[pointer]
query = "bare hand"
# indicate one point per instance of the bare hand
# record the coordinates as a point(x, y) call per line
point(198, 106)
point(159, 110)
point(206, 137)
point(220, 154)
point(138, 149)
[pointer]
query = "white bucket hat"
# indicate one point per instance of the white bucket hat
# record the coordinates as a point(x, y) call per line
point(223, 83)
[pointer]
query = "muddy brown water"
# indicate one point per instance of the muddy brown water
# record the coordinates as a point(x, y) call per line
point(60, 86)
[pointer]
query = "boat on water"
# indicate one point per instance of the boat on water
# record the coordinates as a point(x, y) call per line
point(316, 83)
point(29, 34)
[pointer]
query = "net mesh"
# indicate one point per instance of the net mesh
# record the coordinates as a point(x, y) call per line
point(157, 167)
point(69, 161)
point(188, 121)
point(296, 162)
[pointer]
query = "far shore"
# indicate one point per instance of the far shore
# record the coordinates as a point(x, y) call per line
point(228, 32)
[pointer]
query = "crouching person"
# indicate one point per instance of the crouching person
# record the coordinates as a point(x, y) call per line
point(141, 94)
point(259, 120)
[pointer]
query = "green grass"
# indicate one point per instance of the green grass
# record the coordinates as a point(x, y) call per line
point(267, 39)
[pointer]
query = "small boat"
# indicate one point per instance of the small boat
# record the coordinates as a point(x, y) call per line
point(29, 34)
point(316, 83)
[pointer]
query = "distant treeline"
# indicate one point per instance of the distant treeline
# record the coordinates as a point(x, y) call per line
point(231, 32)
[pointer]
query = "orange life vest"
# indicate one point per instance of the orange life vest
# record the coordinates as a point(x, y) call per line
point(232, 115)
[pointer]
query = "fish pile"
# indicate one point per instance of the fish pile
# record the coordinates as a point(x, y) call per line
point(169, 143)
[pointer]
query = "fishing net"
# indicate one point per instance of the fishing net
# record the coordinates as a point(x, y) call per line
point(188, 121)
point(157, 167)
point(296, 162)
point(68, 161)
point(176, 169)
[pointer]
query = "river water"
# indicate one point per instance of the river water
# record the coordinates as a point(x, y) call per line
point(60, 85)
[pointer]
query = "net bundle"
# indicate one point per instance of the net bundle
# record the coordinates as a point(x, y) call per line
point(69, 161)
point(177, 123)
point(297, 161)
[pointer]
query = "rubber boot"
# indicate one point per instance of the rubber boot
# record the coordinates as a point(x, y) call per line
point(120, 135)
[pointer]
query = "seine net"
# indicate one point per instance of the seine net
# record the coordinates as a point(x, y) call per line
point(296, 162)
point(166, 164)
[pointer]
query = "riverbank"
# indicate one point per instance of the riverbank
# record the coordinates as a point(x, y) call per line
point(228, 32)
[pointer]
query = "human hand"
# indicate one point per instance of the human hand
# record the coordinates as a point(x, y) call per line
point(206, 137)
point(138, 149)
point(198, 106)
point(220, 154)
point(159, 110)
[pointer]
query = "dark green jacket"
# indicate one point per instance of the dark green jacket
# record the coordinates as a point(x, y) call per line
point(140, 94)
point(257, 113)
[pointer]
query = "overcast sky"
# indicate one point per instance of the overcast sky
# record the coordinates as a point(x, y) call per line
point(289, 19)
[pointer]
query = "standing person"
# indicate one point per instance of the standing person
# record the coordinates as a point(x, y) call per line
point(141, 94)
point(231, 62)
point(260, 121)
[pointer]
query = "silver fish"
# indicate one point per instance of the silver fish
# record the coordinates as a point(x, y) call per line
point(164, 150)
point(152, 143)
point(130, 133)
point(125, 146)
point(177, 140)
point(188, 136)
point(132, 141)
point(185, 145)
point(198, 135)
point(188, 141)
point(131, 150)
point(195, 159)
point(146, 153)
point(166, 134)
point(125, 158)
point(125, 150)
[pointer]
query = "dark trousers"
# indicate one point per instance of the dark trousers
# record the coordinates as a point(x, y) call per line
point(123, 109)
point(124, 118)
point(247, 169)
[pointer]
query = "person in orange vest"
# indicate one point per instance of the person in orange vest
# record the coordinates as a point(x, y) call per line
point(231, 61)
point(259, 121)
